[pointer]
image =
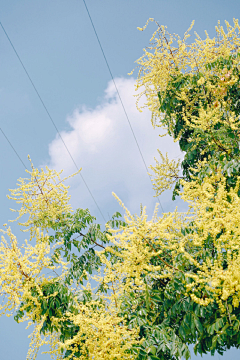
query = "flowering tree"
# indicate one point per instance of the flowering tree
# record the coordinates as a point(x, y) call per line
point(193, 93)
point(40, 282)
point(160, 284)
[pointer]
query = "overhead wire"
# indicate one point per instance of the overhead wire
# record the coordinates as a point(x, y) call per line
point(124, 109)
point(13, 148)
point(50, 117)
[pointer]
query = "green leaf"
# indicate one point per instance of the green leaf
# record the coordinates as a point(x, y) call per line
point(198, 324)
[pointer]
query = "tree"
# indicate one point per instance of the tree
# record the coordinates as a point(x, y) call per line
point(193, 92)
point(164, 283)
point(63, 317)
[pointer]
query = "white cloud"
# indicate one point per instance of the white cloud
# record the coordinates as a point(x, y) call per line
point(101, 142)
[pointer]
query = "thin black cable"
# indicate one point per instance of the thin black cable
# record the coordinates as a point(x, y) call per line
point(50, 117)
point(99, 42)
point(13, 148)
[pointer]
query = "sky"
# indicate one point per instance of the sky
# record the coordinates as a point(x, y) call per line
point(58, 47)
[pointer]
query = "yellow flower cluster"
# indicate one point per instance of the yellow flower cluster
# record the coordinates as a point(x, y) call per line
point(217, 211)
point(139, 242)
point(102, 334)
point(43, 197)
point(20, 268)
point(168, 56)
point(199, 74)
point(165, 173)
point(213, 218)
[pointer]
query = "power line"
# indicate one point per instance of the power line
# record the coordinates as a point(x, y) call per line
point(99, 42)
point(50, 117)
point(13, 148)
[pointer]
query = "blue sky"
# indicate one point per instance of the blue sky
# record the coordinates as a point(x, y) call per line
point(59, 49)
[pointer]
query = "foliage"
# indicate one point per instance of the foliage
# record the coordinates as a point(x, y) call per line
point(59, 305)
point(193, 92)
point(197, 86)
point(160, 284)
